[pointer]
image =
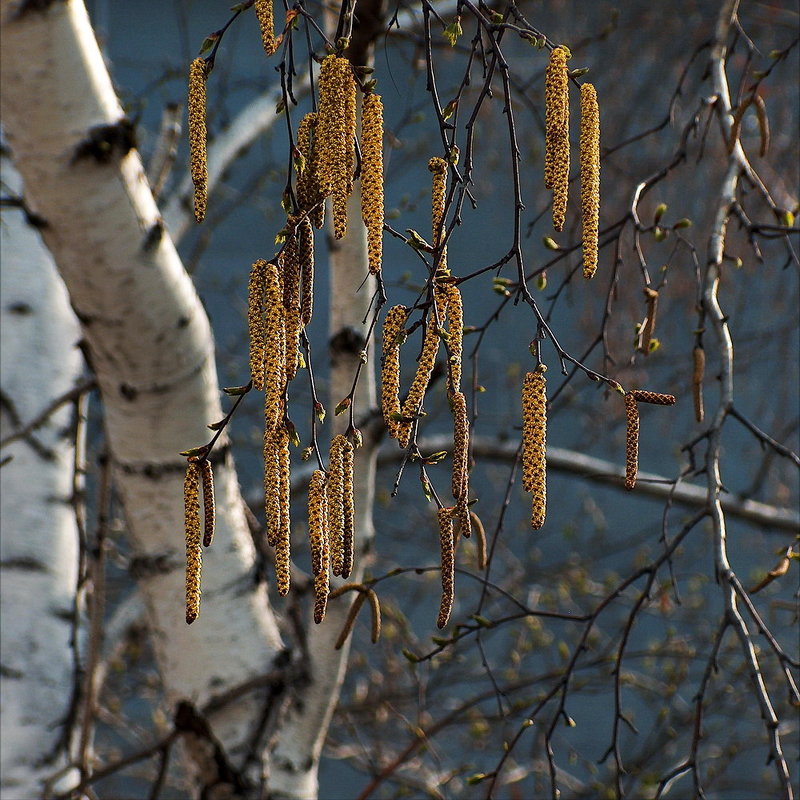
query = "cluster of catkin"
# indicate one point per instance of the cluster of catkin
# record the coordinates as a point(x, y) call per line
point(266, 21)
point(632, 399)
point(326, 156)
point(557, 153)
point(199, 476)
point(330, 521)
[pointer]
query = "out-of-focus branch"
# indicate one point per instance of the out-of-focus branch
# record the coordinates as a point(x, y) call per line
point(601, 471)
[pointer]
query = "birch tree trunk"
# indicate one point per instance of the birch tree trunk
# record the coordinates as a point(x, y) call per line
point(150, 345)
point(39, 362)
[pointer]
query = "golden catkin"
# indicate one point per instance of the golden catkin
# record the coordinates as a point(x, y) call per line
point(318, 540)
point(309, 190)
point(348, 508)
point(372, 178)
point(290, 262)
point(283, 529)
point(590, 177)
point(427, 359)
point(655, 398)
point(390, 369)
point(698, 372)
point(197, 136)
point(305, 247)
point(335, 136)
point(272, 497)
point(631, 441)
point(266, 21)
point(460, 484)
point(556, 164)
point(256, 323)
point(209, 510)
point(463, 520)
point(274, 350)
point(438, 168)
point(455, 336)
point(335, 503)
point(194, 552)
point(446, 543)
point(534, 443)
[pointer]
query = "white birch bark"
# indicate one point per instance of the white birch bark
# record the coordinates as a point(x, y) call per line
point(150, 346)
point(39, 361)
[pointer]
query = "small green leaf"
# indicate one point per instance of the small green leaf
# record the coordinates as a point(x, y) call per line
point(453, 31)
point(683, 223)
point(194, 452)
point(550, 243)
point(342, 407)
point(661, 209)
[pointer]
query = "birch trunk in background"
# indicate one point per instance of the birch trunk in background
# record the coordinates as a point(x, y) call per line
point(39, 362)
point(150, 346)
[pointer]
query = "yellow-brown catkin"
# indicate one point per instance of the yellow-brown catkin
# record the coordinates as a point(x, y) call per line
point(655, 398)
point(348, 508)
point(266, 21)
point(274, 350)
point(309, 190)
point(699, 358)
point(390, 369)
point(590, 177)
point(209, 510)
point(256, 322)
point(335, 503)
point(272, 498)
point(194, 552)
point(534, 443)
point(372, 178)
point(463, 519)
point(446, 543)
point(197, 136)
point(305, 248)
point(556, 163)
point(631, 441)
point(283, 532)
point(455, 336)
point(318, 540)
point(458, 404)
point(291, 297)
point(438, 168)
point(427, 359)
point(335, 136)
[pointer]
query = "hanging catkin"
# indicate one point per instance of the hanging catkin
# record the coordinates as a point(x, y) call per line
point(631, 441)
point(309, 189)
point(318, 540)
point(283, 528)
point(266, 22)
point(209, 510)
point(348, 508)
point(194, 552)
point(256, 322)
point(534, 443)
point(390, 369)
point(335, 503)
point(698, 372)
point(438, 168)
point(556, 164)
point(272, 499)
point(455, 336)
point(335, 136)
point(460, 485)
point(305, 243)
point(590, 177)
point(445, 519)
point(427, 359)
point(198, 165)
point(372, 178)
point(274, 350)
point(291, 297)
